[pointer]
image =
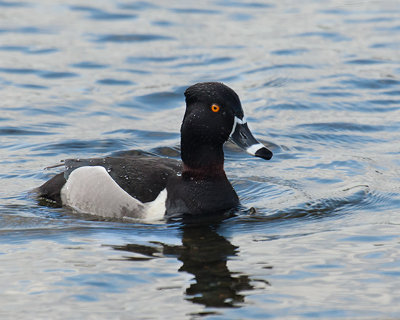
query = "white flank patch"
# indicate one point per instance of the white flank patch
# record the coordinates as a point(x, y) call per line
point(91, 190)
point(254, 148)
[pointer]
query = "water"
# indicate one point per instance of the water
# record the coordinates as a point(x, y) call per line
point(319, 82)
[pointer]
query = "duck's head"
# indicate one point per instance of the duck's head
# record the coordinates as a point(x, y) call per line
point(213, 115)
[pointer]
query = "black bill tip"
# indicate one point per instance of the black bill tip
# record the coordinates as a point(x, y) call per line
point(264, 153)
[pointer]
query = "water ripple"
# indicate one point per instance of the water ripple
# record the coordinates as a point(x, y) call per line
point(57, 75)
point(195, 11)
point(289, 52)
point(99, 146)
point(238, 4)
point(41, 73)
point(13, 4)
point(32, 86)
point(288, 106)
point(326, 92)
point(337, 139)
point(333, 36)
point(97, 14)
point(115, 82)
point(121, 38)
point(154, 101)
point(324, 207)
point(89, 65)
point(363, 83)
point(204, 60)
point(137, 5)
point(144, 134)
point(392, 93)
point(341, 126)
point(143, 59)
point(12, 131)
point(280, 66)
point(26, 30)
point(19, 70)
point(28, 50)
point(365, 61)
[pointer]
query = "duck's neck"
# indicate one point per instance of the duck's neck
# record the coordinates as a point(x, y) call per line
point(202, 160)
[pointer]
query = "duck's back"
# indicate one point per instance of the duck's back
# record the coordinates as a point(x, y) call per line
point(142, 177)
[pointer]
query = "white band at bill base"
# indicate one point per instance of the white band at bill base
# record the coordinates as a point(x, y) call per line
point(254, 148)
point(237, 120)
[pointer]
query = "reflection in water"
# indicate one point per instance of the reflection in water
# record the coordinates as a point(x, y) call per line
point(204, 253)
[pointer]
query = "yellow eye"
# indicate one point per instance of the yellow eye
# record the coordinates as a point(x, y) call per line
point(215, 108)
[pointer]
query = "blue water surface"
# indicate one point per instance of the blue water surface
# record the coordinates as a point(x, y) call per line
point(319, 82)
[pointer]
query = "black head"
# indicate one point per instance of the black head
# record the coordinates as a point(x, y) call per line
point(213, 115)
point(208, 93)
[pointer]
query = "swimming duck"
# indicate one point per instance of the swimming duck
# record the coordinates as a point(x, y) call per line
point(151, 188)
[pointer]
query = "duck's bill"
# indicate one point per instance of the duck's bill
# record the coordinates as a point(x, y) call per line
point(243, 137)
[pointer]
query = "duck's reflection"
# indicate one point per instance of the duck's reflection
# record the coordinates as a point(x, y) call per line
point(204, 253)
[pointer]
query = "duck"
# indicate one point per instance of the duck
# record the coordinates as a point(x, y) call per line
point(148, 187)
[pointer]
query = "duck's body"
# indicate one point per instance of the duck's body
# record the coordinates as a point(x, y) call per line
point(146, 186)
